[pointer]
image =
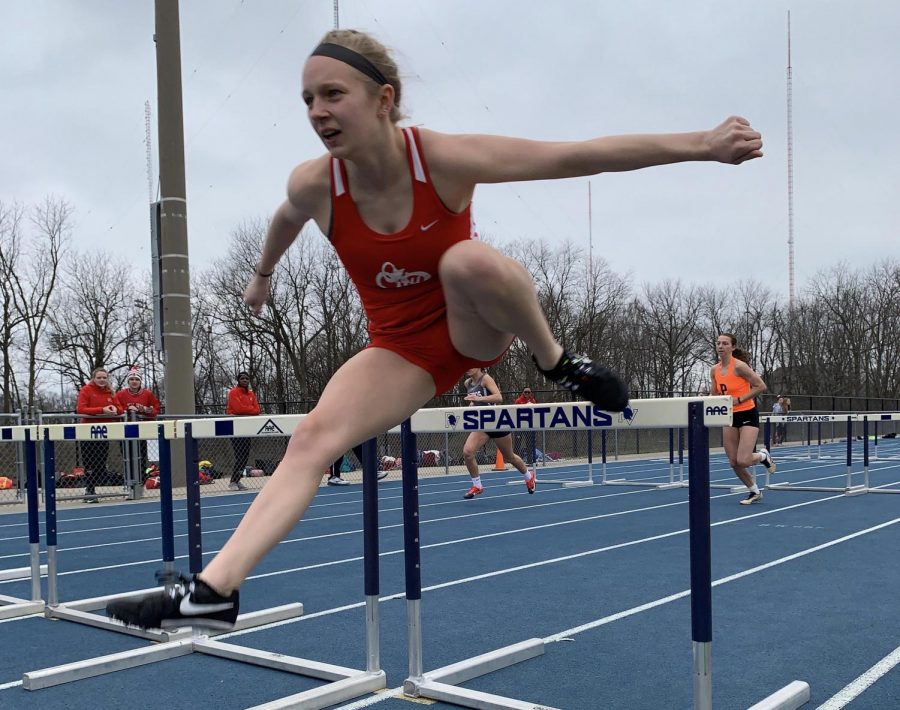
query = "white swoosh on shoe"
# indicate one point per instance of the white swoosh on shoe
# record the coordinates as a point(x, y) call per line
point(188, 608)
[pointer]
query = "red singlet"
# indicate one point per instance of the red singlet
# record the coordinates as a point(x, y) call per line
point(397, 274)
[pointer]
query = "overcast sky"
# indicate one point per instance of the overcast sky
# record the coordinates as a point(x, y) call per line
point(75, 76)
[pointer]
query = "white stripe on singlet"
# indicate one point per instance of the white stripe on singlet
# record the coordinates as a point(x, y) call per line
point(418, 168)
point(339, 188)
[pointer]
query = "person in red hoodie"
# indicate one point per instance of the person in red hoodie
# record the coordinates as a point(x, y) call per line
point(98, 403)
point(139, 403)
point(527, 397)
point(242, 402)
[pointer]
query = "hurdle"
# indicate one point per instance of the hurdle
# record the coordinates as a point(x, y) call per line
point(849, 489)
point(343, 683)
point(768, 420)
point(894, 416)
point(698, 414)
point(670, 483)
point(83, 611)
point(13, 607)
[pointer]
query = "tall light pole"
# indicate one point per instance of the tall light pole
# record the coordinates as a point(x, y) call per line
point(175, 285)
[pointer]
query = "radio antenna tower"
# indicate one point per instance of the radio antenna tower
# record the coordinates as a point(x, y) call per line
point(148, 143)
point(790, 171)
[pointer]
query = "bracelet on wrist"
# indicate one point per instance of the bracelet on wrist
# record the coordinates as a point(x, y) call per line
point(265, 276)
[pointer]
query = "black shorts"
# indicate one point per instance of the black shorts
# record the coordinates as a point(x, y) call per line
point(749, 417)
point(497, 434)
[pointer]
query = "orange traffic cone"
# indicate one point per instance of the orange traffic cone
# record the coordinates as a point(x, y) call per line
point(500, 464)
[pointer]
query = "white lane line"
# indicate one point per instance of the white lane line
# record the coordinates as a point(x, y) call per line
point(724, 580)
point(501, 572)
point(843, 697)
point(855, 688)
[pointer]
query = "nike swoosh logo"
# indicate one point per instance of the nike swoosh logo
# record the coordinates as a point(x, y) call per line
point(426, 227)
point(188, 608)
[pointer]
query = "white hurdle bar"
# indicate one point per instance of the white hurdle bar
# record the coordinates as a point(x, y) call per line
point(442, 683)
point(13, 607)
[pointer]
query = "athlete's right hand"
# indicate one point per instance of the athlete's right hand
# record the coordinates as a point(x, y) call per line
point(734, 141)
point(257, 293)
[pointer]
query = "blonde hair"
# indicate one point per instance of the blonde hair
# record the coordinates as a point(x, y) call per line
point(375, 52)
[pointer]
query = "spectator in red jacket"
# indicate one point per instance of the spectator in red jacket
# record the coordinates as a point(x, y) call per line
point(136, 398)
point(242, 402)
point(138, 403)
point(527, 397)
point(98, 401)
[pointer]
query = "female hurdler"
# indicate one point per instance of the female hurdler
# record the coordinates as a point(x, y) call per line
point(395, 204)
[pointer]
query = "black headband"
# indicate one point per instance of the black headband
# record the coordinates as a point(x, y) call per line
point(354, 59)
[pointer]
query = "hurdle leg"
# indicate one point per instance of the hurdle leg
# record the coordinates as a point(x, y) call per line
point(13, 607)
point(438, 684)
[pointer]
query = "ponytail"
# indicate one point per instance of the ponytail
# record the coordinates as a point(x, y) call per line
point(741, 355)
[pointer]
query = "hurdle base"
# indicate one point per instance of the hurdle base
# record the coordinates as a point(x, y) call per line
point(338, 691)
point(467, 698)
point(20, 573)
point(791, 696)
point(564, 484)
point(344, 683)
point(852, 491)
point(441, 683)
point(639, 484)
point(13, 608)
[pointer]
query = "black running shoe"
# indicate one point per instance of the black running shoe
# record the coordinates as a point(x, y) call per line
point(584, 377)
point(183, 602)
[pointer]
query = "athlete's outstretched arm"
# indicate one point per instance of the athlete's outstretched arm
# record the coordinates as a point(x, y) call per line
point(283, 229)
point(491, 159)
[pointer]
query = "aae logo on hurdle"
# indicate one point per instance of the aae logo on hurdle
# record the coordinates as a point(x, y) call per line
point(99, 432)
point(711, 411)
point(547, 417)
point(270, 427)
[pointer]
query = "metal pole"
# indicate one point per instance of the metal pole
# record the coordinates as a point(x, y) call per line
point(590, 456)
point(411, 547)
point(603, 453)
point(167, 516)
point(866, 453)
point(701, 557)
point(370, 553)
point(849, 452)
point(50, 517)
point(671, 455)
point(34, 533)
point(195, 530)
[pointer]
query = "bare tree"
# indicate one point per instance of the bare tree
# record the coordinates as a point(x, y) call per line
point(671, 337)
point(34, 282)
point(11, 217)
point(94, 324)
